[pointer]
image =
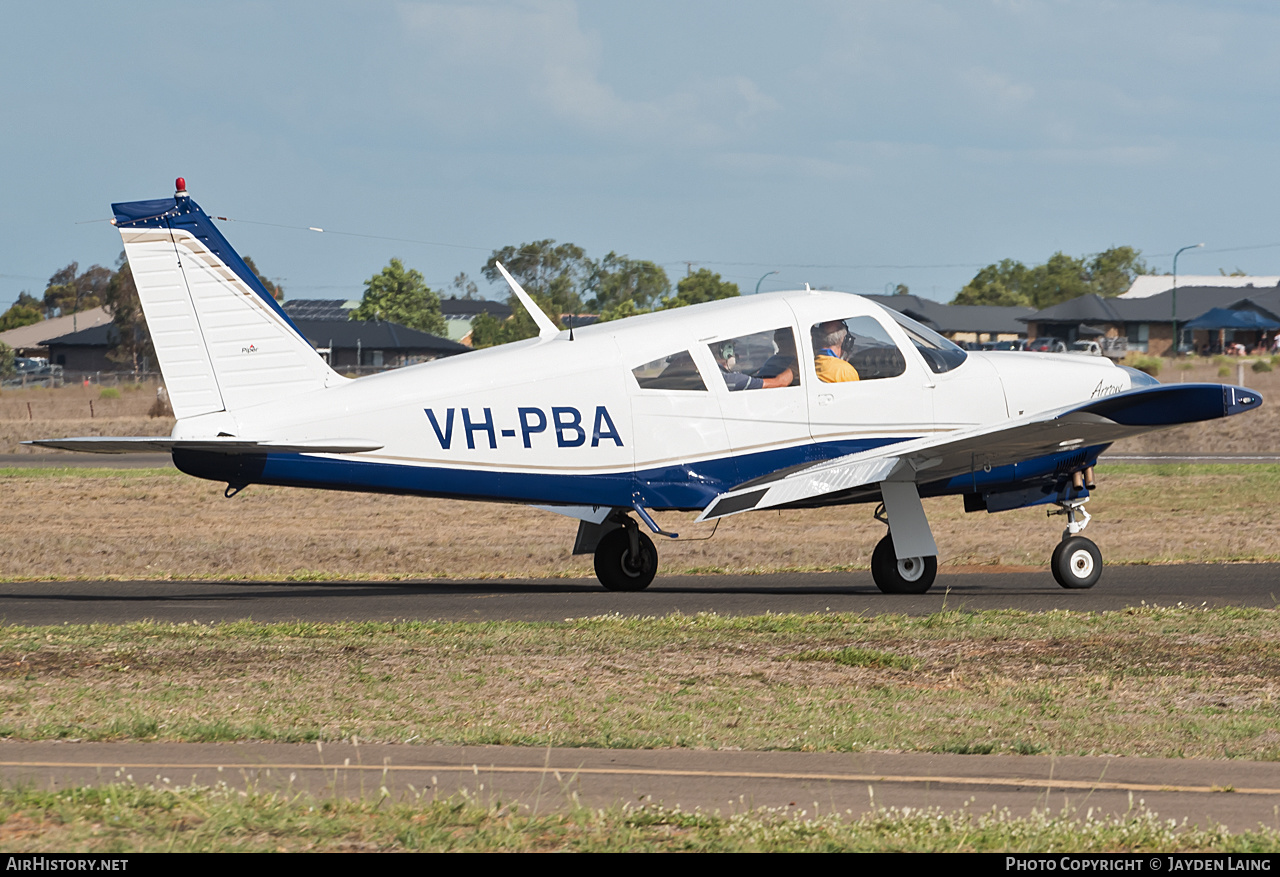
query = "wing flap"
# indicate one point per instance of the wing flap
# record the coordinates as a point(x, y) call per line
point(936, 458)
point(96, 444)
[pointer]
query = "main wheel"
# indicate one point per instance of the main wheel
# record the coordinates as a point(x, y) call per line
point(617, 570)
point(1077, 563)
point(910, 575)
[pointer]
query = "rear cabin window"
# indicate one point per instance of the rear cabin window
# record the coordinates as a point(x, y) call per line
point(674, 372)
point(761, 360)
point(854, 349)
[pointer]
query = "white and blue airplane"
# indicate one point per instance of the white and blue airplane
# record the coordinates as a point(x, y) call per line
point(786, 400)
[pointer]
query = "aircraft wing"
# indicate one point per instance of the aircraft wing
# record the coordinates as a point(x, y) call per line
point(95, 444)
point(936, 458)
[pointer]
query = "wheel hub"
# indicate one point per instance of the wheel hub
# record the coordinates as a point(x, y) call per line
point(911, 568)
point(1081, 564)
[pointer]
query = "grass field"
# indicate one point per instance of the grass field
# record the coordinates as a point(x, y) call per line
point(140, 524)
point(1176, 682)
point(122, 819)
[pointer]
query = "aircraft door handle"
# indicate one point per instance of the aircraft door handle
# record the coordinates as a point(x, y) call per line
point(825, 398)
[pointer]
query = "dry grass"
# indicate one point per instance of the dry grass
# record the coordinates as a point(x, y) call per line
point(1257, 432)
point(1158, 682)
point(76, 410)
point(158, 524)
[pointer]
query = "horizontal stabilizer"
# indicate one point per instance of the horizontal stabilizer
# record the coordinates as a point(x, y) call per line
point(939, 457)
point(140, 444)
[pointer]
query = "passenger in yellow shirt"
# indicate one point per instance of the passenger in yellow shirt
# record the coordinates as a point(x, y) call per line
point(828, 339)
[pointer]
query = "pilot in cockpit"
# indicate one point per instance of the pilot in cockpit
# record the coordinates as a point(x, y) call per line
point(784, 359)
point(828, 349)
point(724, 355)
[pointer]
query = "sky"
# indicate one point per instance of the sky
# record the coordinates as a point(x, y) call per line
point(849, 145)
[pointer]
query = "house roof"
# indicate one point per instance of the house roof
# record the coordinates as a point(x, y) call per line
point(1146, 285)
point(956, 318)
point(1091, 308)
point(319, 308)
point(1192, 302)
point(375, 335)
point(95, 336)
point(34, 335)
point(470, 308)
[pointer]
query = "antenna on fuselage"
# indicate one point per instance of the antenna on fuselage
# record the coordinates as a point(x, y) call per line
point(546, 328)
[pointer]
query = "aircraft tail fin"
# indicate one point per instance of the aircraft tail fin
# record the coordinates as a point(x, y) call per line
point(223, 342)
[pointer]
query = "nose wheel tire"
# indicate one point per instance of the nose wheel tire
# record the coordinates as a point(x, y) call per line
point(1077, 563)
point(617, 569)
point(910, 575)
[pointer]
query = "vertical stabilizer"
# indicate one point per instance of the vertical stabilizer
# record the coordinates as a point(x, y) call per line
point(222, 341)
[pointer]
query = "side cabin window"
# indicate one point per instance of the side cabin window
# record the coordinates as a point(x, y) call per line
point(940, 354)
point(674, 372)
point(759, 361)
point(854, 349)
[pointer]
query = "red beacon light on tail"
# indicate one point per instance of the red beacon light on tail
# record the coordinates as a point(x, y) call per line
point(180, 184)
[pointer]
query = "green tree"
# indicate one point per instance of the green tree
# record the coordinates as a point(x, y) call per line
point(623, 309)
point(23, 312)
point(68, 292)
point(1059, 279)
point(1112, 271)
point(553, 274)
point(277, 291)
point(7, 367)
point(701, 286)
point(400, 295)
point(618, 279)
point(464, 288)
point(133, 348)
point(1000, 283)
point(486, 331)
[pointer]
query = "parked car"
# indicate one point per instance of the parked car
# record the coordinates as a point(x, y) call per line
point(1047, 345)
point(1017, 344)
point(34, 372)
point(1085, 348)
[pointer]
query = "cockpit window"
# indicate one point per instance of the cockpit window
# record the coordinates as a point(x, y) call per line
point(856, 349)
point(762, 360)
point(674, 372)
point(938, 352)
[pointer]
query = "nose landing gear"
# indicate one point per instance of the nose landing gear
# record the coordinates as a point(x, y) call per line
point(1076, 562)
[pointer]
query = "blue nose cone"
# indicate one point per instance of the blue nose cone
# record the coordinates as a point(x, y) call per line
point(1238, 399)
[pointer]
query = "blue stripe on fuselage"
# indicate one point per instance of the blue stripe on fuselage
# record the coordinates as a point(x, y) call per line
point(681, 486)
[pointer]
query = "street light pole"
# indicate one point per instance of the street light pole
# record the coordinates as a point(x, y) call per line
point(1173, 316)
point(761, 280)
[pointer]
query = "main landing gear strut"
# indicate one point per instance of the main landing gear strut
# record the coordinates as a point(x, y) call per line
point(625, 558)
point(892, 574)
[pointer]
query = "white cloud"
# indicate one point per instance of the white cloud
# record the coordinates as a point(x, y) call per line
point(557, 69)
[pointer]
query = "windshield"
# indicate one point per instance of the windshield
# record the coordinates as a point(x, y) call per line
point(938, 352)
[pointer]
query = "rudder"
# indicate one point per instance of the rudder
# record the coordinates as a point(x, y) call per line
point(222, 341)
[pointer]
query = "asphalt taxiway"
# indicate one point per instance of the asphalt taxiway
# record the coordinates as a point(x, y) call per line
point(1238, 795)
point(1245, 584)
